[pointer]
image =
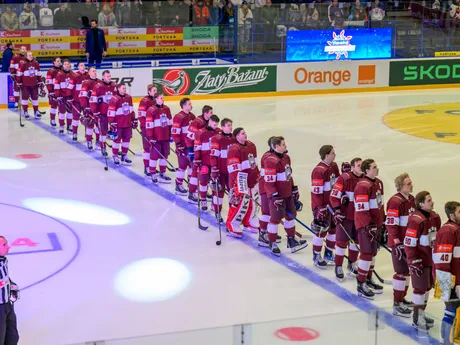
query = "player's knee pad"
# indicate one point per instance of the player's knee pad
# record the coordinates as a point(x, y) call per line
point(341, 244)
point(366, 257)
point(399, 276)
point(275, 221)
point(289, 223)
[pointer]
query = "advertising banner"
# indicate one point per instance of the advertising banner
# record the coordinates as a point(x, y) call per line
point(327, 75)
point(424, 72)
point(216, 80)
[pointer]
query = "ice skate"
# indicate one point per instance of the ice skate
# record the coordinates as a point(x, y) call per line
point(339, 273)
point(295, 244)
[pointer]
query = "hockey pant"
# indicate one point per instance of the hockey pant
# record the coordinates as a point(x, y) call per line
point(16, 92)
point(276, 215)
point(342, 242)
point(162, 147)
point(422, 286)
point(244, 213)
point(367, 255)
point(32, 92)
point(401, 278)
point(89, 132)
point(330, 238)
point(265, 208)
point(53, 107)
point(146, 146)
point(64, 114)
point(104, 128)
point(204, 179)
point(75, 116)
point(183, 166)
point(123, 134)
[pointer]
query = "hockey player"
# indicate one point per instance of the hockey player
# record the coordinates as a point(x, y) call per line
point(220, 144)
point(99, 103)
point(399, 207)
point(200, 122)
point(281, 193)
point(202, 158)
point(64, 91)
point(179, 132)
point(369, 215)
point(447, 265)
point(343, 203)
point(418, 243)
point(76, 81)
point(16, 61)
point(29, 81)
point(158, 122)
point(145, 103)
point(122, 120)
point(88, 117)
point(323, 178)
point(50, 80)
point(243, 175)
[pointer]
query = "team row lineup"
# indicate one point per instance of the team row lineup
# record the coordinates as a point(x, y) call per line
point(347, 206)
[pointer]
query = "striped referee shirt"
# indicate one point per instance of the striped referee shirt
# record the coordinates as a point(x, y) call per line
point(5, 281)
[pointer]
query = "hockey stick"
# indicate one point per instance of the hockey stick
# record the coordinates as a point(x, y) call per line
point(20, 99)
point(202, 227)
point(219, 242)
point(172, 169)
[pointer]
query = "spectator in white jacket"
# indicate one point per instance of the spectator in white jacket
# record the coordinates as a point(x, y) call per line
point(106, 17)
point(244, 23)
point(27, 19)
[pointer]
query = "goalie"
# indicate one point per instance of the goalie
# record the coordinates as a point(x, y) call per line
point(446, 259)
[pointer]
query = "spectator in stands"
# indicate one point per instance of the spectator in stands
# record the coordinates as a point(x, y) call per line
point(27, 20)
point(215, 13)
point(123, 14)
point(259, 4)
point(152, 14)
point(200, 13)
point(106, 17)
point(454, 13)
point(170, 13)
point(334, 12)
point(185, 12)
point(7, 56)
point(311, 17)
point(244, 25)
point(136, 13)
point(228, 19)
point(377, 11)
point(294, 15)
point(228, 15)
point(357, 12)
point(270, 18)
point(9, 19)
point(62, 18)
point(96, 47)
point(88, 10)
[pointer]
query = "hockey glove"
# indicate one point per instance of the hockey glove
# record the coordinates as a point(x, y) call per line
point(320, 213)
point(52, 97)
point(371, 232)
point(383, 235)
point(416, 267)
point(234, 198)
point(338, 217)
point(298, 205)
point(14, 292)
point(20, 86)
point(180, 149)
point(399, 251)
point(295, 193)
point(345, 200)
point(197, 164)
point(190, 153)
point(42, 92)
point(215, 173)
point(113, 127)
point(135, 123)
point(152, 142)
point(277, 201)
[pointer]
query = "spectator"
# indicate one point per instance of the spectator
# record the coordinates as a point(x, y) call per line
point(136, 12)
point(96, 47)
point(62, 17)
point(123, 14)
point(311, 18)
point(170, 13)
point(106, 17)
point(152, 14)
point(294, 14)
point(259, 4)
point(228, 15)
point(185, 12)
point(227, 31)
point(9, 20)
point(7, 56)
point(27, 20)
point(215, 13)
point(270, 18)
point(377, 12)
point(334, 12)
point(88, 10)
point(244, 24)
point(358, 12)
point(200, 13)
point(454, 13)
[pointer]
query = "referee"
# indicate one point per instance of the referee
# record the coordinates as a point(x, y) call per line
point(8, 294)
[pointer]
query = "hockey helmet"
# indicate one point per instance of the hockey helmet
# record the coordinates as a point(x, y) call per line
point(346, 167)
point(112, 135)
point(42, 92)
point(298, 205)
point(319, 226)
point(87, 121)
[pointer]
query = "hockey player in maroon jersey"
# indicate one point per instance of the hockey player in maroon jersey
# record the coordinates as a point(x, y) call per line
point(446, 259)
point(418, 243)
point(16, 61)
point(30, 81)
point(158, 122)
point(99, 103)
point(323, 178)
point(76, 81)
point(264, 205)
point(179, 132)
point(200, 122)
point(145, 103)
point(64, 91)
point(281, 193)
point(369, 215)
point(220, 144)
point(88, 119)
point(50, 79)
point(399, 207)
point(243, 175)
point(202, 159)
point(343, 203)
point(122, 120)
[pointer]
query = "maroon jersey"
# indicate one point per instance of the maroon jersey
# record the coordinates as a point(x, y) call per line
point(86, 90)
point(195, 125)
point(77, 81)
point(369, 208)
point(278, 174)
point(220, 144)
point(29, 74)
point(121, 110)
point(63, 87)
point(101, 95)
point(144, 105)
point(202, 147)
point(446, 251)
point(180, 126)
point(262, 172)
point(50, 78)
point(420, 236)
point(345, 185)
point(158, 122)
point(399, 208)
point(243, 158)
point(16, 62)
point(323, 177)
